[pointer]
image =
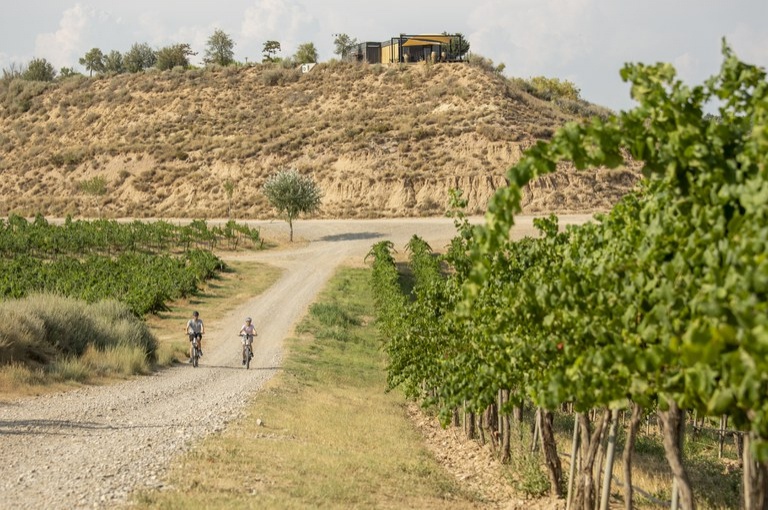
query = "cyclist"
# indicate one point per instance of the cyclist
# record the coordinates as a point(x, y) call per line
point(247, 332)
point(195, 328)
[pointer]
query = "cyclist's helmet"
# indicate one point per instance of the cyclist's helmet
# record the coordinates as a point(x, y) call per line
point(247, 319)
point(195, 314)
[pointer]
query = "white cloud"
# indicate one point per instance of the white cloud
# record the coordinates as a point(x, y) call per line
point(286, 21)
point(61, 47)
point(527, 33)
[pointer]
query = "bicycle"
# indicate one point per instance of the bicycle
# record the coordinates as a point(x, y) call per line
point(195, 339)
point(247, 350)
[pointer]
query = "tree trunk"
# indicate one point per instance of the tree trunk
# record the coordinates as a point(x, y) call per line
point(505, 429)
point(674, 427)
point(290, 225)
point(491, 420)
point(755, 479)
point(552, 460)
point(629, 447)
point(584, 496)
point(469, 425)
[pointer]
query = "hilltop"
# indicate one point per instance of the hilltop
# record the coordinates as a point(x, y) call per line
point(381, 140)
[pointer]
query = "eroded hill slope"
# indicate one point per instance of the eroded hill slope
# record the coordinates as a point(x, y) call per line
point(382, 141)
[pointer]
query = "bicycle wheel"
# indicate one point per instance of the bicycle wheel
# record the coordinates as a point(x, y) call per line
point(248, 357)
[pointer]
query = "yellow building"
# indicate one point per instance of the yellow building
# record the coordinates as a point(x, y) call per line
point(417, 48)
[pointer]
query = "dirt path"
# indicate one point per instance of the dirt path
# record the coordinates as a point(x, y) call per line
point(91, 447)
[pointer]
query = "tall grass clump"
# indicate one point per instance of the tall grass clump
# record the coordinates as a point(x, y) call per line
point(71, 340)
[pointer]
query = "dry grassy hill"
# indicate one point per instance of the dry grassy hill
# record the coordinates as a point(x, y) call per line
point(381, 140)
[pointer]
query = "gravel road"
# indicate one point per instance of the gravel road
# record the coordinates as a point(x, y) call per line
point(91, 447)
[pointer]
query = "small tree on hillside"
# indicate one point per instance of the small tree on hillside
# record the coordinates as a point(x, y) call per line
point(220, 49)
point(113, 62)
point(39, 69)
point(458, 47)
point(93, 61)
point(306, 54)
point(176, 55)
point(343, 45)
point(139, 57)
point(67, 72)
point(292, 194)
point(271, 48)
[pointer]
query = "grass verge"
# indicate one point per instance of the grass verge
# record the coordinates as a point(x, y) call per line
point(324, 433)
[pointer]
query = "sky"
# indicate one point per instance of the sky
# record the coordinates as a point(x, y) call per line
point(584, 41)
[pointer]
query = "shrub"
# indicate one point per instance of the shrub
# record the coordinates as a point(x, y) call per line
point(43, 328)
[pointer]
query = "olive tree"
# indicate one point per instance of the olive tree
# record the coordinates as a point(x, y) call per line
point(139, 57)
point(113, 62)
point(291, 194)
point(271, 48)
point(343, 45)
point(220, 49)
point(93, 61)
point(306, 54)
point(176, 55)
point(39, 69)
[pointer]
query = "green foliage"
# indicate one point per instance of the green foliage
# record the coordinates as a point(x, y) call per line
point(134, 262)
point(176, 55)
point(270, 51)
point(39, 329)
point(67, 72)
point(19, 94)
point(553, 88)
point(343, 45)
point(93, 61)
point(139, 58)
point(39, 69)
point(219, 50)
point(292, 194)
point(663, 299)
point(113, 62)
point(306, 54)
point(95, 186)
point(650, 302)
point(458, 47)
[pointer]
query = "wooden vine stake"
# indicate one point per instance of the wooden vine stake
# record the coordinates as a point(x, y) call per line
point(610, 453)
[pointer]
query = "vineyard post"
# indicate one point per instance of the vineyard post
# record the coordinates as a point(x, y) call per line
point(747, 473)
point(606, 495)
point(574, 461)
point(505, 428)
point(629, 446)
point(755, 477)
point(721, 438)
point(675, 505)
point(536, 429)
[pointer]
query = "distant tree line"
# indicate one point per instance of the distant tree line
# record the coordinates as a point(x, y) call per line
point(219, 51)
